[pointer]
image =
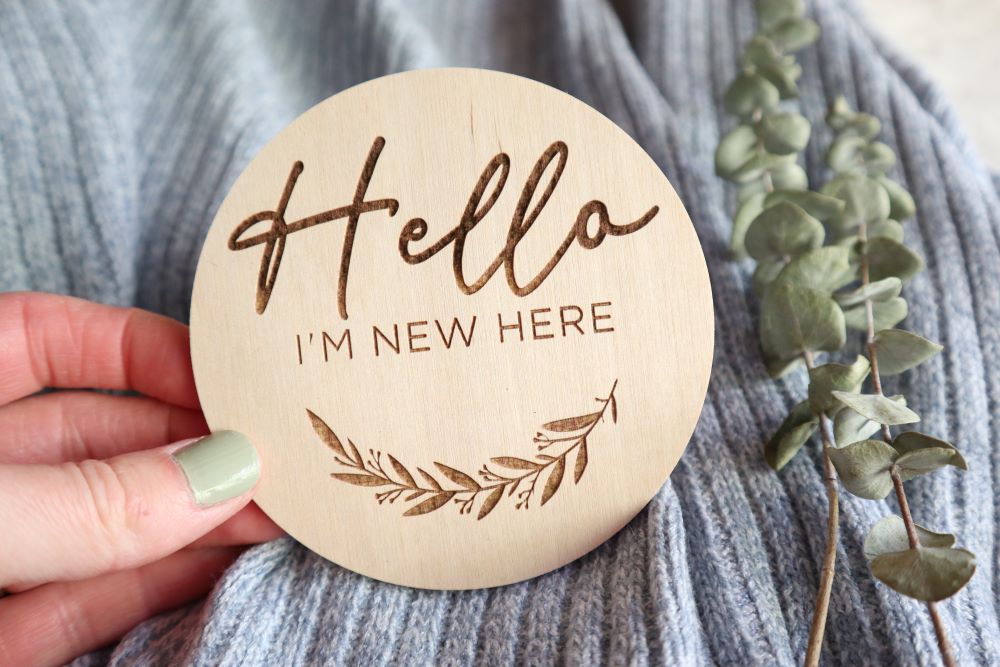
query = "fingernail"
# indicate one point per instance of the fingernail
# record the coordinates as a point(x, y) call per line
point(218, 467)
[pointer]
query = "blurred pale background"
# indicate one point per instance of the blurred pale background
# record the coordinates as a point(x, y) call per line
point(956, 41)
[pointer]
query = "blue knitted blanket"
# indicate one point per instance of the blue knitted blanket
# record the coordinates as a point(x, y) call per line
point(123, 124)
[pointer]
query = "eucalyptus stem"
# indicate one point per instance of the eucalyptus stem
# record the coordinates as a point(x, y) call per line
point(944, 646)
point(818, 627)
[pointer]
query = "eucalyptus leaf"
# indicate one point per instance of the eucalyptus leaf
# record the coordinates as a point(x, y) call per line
point(783, 132)
point(865, 200)
point(901, 204)
point(822, 207)
point(913, 441)
point(794, 431)
point(891, 258)
point(889, 535)
point(782, 231)
point(770, 13)
point(887, 314)
point(846, 154)
point(922, 461)
point(749, 92)
point(795, 319)
point(784, 76)
point(864, 468)
point(861, 125)
point(839, 114)
point(849, 426)
point(888, 228)
point(899, 350)
point(825, 379)
point(929, 573)
point(881, 290)
point(747, 211)
point(878, 158)
point(789, 176)
point(759, 163)
point(766, 272)
point(825, 269)
point(777, 368)
point(794, 33)
point(878, 408)
point(761, 51)
point(735, 149)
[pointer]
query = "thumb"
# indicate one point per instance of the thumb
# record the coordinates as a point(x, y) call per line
point(77, 520)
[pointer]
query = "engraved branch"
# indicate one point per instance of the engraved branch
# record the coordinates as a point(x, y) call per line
point(557, 442)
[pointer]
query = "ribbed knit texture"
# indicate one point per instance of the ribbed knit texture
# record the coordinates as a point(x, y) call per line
point(123, 124)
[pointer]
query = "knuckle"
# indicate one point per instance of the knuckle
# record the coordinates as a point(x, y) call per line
point(114, 510)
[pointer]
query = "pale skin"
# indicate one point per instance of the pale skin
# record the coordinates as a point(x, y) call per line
point(98, 529)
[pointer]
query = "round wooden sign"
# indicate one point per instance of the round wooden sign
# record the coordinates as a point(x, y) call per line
point(466, 321)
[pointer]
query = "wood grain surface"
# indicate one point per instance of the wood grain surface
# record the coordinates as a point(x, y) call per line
point(465, 319)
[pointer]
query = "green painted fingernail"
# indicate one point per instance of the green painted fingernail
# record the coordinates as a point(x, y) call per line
point(218, 467)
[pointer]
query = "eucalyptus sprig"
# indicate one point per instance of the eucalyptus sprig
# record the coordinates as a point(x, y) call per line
point(908, 558)
point(827, 262)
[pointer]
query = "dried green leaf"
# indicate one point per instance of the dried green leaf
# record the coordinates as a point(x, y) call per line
point(783, 230)
point(761, 51)
point(923, 461)
point(878, 408)
point(825, 269)
point(865, 200)
point(839, 114)
point(828, 378)
point(735, 149)
point(929, 573)
point(887, 228)
point(794, 431)
point(862, 125)
point(864, 467)
point(789, 177)
point(878, 291)
point(793, 34)
point(819, 206)
point(756, 166)
point(766, 273)
point(889, 535)
point(749, 92)
point(887, 314)
point(783, 132)
point(891, 258)
point(784, 76)
point(899, 350)
point(777, 368)
point(912, 441)
point(901, 204)
point(795, 319)
point(849, 426)
point(745, 214)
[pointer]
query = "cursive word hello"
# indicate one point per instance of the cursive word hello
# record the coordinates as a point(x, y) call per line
point(526, 213)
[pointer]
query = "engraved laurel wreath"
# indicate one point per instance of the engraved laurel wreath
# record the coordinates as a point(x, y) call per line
point(556, 441)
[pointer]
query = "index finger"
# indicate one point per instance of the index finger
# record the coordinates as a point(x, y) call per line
point(48, 340)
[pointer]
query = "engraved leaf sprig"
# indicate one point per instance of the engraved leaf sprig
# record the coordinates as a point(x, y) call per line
point(559, 444)
point(828, 262)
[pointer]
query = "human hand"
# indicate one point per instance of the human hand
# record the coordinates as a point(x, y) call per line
point(102, 524)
